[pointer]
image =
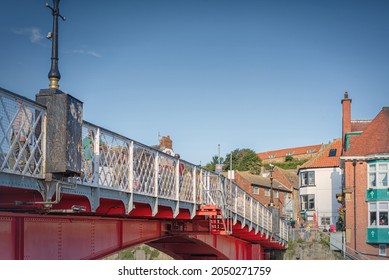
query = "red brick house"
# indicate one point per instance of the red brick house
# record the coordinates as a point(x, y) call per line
point(259, 187)
point(365, 164)
point(298, 153)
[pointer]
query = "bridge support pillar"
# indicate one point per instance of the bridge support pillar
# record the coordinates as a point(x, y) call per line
point(63, 132)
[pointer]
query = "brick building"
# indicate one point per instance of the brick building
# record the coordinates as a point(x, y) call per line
point(365, 164)
point(259, 187)
point(298, 154)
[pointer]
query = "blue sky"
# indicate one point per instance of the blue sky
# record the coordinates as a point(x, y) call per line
point(263, 75)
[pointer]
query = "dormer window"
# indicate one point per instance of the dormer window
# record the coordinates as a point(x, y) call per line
point(332, 153)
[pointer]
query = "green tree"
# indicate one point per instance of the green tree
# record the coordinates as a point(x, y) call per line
point(288, 158)
point(243, 160)
point(129, 254)
point(211, 166)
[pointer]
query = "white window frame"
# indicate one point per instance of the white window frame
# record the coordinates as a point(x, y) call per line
point(267, 192)
point(276, 194)
point(305, 201)
point(382, 250)
point(255, 190)
point(307, 178)
point(378, 174)
point(377, 209)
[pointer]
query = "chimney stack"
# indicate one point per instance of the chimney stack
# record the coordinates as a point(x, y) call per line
point(166, 142)
point(346, 117)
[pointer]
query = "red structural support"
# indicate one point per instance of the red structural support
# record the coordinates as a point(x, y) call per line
point(62, 236)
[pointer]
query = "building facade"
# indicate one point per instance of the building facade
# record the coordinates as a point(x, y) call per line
point(297, 153)
point(320, 181)
point(365, 164)
point(260, 188)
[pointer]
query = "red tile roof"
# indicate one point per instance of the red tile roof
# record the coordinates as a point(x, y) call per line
point(323, 159)
point(292, 151)
point(359, 125)
point(260, 181)
point(374, 139)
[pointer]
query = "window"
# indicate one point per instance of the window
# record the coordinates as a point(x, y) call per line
point(308, 178)
point(378, 175)
point(272, 156)
point(332, 153)
point(325, 221)
point(310, 151)
point(289, 153)
point(255, 190)
point(276, 194)
point(308, 202)
point(382, 250)
point(378, 214)
point(267, 192)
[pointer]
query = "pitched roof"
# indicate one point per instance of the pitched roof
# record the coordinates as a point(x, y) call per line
point(258, 180)
point(359, 125)
point(292, 151)
point(374, 139)
point(328, 157)
point(290, 176)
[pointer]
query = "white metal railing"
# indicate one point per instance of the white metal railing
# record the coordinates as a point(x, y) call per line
point(120, 163)
point(112, 161)
point(21, 135)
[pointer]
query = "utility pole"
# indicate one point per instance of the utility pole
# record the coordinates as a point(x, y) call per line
point(271, 204)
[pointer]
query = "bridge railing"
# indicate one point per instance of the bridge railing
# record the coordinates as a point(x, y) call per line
point(112, 161)
point(22, 135)
point(116, 162)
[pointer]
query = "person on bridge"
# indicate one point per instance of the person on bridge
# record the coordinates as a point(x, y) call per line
point(20, 137)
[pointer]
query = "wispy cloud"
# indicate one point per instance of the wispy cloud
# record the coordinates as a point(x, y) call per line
point(87, 52)
point(33, 33)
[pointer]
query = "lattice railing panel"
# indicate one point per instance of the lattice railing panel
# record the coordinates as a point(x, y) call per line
point(21, 136)
point(167, 176)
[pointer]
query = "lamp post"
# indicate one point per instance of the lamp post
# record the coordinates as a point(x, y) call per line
point(274, 210)
point(54, 75)
point(271, 204)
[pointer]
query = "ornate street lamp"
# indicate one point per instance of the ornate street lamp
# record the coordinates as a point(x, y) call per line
point(54, 75)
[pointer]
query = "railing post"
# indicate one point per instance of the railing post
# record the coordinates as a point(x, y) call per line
point(244, 210)
point(156, 179)
point(236, 205)
point(177, 180)
point(96, 158)
point(201, 188)
point(263, 216)
point(194, 173)
point(43, 142)
point(156, 174)
point(177, 189)
point(194, 184)
point(131, 167)
point(258, 213)
point(131, 176)
point(207, 187)
point(251, 212)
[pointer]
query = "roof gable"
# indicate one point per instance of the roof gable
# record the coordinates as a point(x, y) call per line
point(359, 125)
point(374, 139)
point(328, 157)
point(257, 180)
